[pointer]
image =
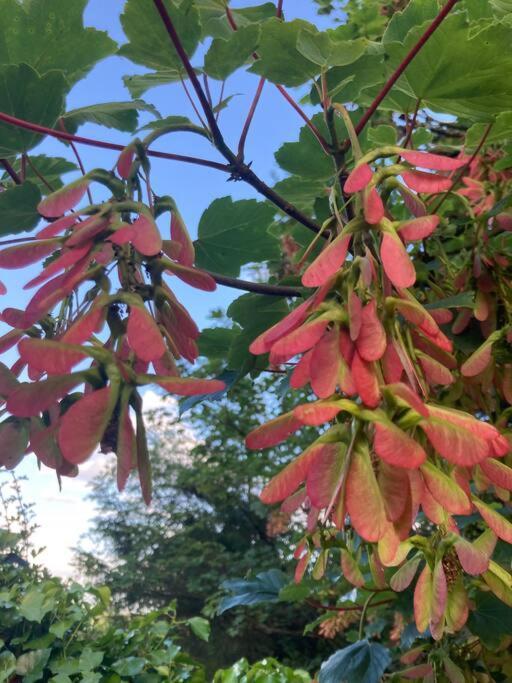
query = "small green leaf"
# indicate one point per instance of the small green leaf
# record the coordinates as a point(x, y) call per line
point(200, 627)
point(120, 115)
point(138, 84)
point(18, 208)
point(264, 588)
point(31, 665)
point(225, 56)
point(500, 132)
point(27, 95)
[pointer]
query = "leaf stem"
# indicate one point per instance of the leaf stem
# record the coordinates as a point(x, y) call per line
point(363, 614)
point(62, 126)
point(404, 64)
point(250, 116)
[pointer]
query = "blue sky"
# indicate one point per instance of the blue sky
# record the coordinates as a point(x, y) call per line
point(63, 517)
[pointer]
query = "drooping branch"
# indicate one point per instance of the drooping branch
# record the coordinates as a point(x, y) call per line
point(102, 144)
point(404, 64)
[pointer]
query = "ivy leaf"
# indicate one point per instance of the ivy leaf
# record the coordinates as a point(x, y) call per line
point(264, 588)
point(491, 619)
point(120, 115)
point(200, 627)
point(149, 42)
point(49, 34)
point(138, 84)
point(27, 95)
point(280, 61)
point(231, 234)
point(18, 208)
point(361, 662)
point(225, 56)
point(50, 168)
point(382, 135)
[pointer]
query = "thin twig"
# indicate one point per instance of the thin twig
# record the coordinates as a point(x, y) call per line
point(39, 174)
point(250, 116)
point(10, 171)
point(463, 170)
point(78, 158)
point(404, 64)
point(356, 608)
point(257, 287)
point(323, 143)
point(190, 99)
point(411, 125)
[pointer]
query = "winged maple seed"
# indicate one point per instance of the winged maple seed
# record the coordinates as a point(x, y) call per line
point(373, 355)
point(80, 316)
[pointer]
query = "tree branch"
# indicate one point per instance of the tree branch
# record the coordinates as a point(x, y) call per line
point(404, 64)
point(239, 170)
point(257, 287)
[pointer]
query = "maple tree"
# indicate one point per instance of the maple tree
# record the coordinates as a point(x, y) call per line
point(396, 213)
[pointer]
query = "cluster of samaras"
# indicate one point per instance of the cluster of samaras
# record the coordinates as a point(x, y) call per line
point(101, 300)
point(376, 359)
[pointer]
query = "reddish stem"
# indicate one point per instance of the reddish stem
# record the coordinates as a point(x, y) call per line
point(62, 126)
point(10, 171)
point(60, 135)
point(357, 608)
point(464, 169)
point(411, 125)
point(305, 118)
point(250, 116)
point(404, 64)
point(279, 9)
point(189, 97)
point(39, 175)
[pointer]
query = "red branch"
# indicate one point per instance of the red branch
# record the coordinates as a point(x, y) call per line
point(60, 135)
point(405, 63)
point(250, 116)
